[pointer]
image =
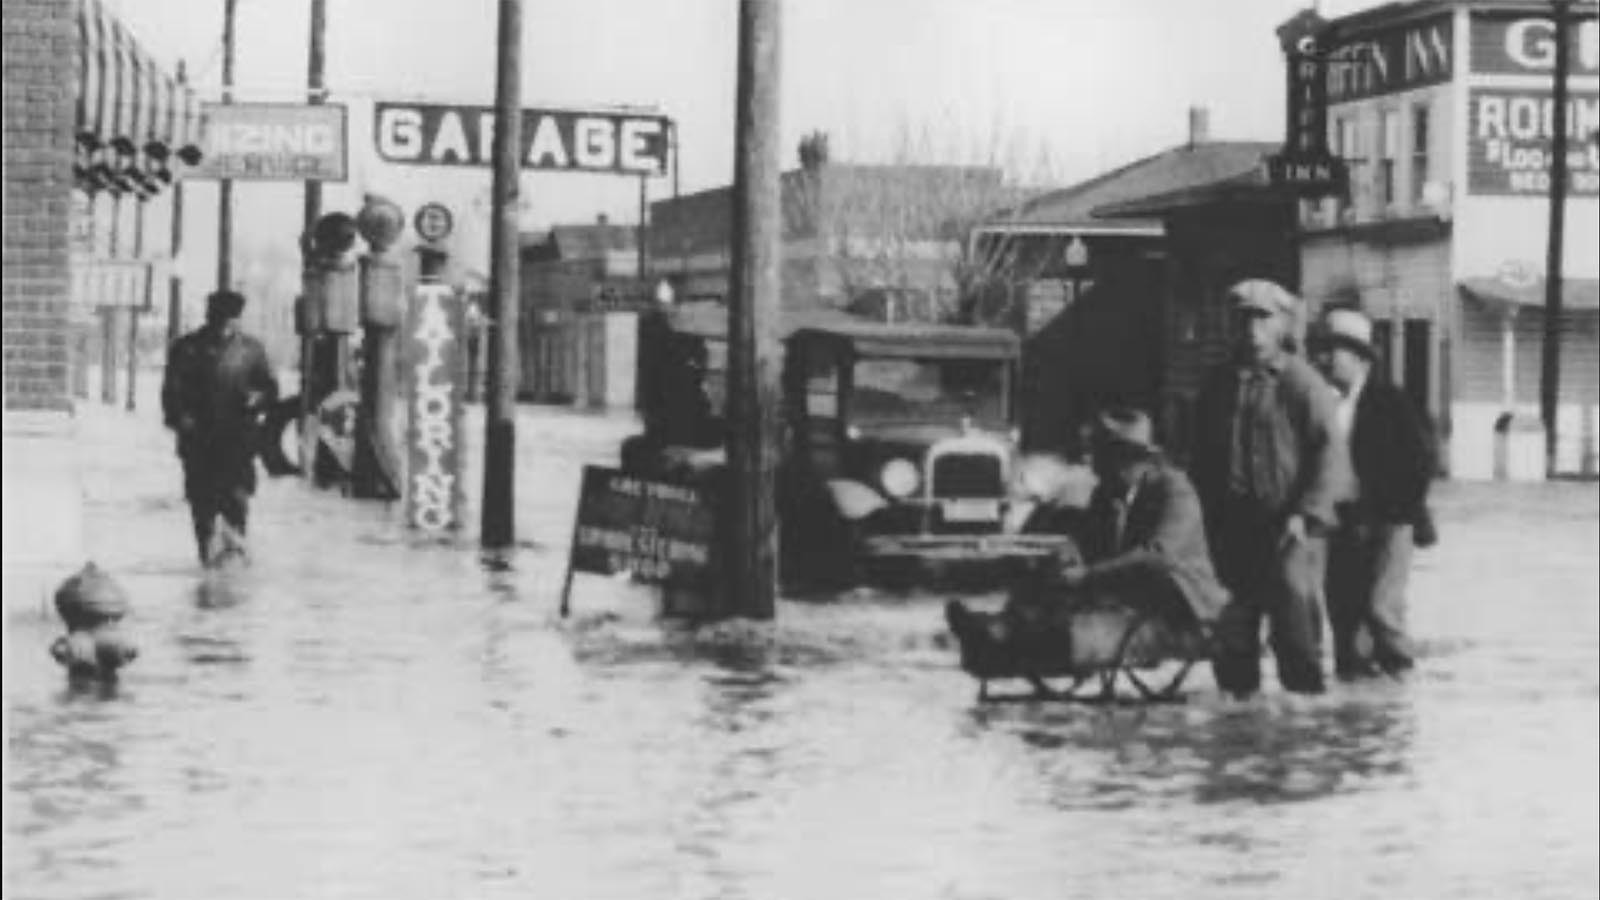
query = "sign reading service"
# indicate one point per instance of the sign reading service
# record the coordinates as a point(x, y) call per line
point(272, 142)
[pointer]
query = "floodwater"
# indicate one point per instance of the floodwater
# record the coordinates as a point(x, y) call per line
point(362, 715)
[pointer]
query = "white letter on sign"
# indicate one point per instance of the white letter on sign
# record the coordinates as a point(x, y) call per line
point(547, 142)
point(400, 134)
point(452, 138)
point(596, 143)
point(636, 156)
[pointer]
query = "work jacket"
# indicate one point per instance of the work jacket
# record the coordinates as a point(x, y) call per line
point(1152, 521)
point(1298, 464)
point(213, 392)
point(1391, 449)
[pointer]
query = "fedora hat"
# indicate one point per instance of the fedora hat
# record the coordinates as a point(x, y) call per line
point(1348, 328)
point(1126, 427)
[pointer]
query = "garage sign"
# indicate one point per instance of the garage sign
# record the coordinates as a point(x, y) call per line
point(432, 134)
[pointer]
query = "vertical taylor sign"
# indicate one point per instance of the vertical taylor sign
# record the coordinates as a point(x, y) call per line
point(434, 388)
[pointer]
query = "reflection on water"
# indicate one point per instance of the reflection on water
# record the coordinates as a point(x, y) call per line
point(391, 721)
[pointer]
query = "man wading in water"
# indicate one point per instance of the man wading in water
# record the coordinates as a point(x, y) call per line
point(217, 383)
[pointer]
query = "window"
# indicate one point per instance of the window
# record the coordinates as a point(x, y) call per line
point(1347, 145)
point(1419, 151)
point(1388, 153)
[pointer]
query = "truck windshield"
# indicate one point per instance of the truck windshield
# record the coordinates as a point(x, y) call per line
point(924, 390)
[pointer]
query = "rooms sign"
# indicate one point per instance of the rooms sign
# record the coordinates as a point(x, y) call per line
point(444, 135)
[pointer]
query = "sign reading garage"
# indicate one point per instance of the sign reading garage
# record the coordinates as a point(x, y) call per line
point(435, 134)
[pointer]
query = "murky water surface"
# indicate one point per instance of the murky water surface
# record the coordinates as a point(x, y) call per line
point(361, 716)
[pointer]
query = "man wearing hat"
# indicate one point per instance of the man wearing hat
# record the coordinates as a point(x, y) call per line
point(1143, 545)
point(218, 381)
point(1269, 469)
point(1369, 553)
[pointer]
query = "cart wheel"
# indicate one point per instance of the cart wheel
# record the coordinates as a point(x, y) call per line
point(1155, 689)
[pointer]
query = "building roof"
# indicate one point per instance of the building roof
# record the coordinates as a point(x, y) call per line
point(1176, 169)
point(1247, 188)
point(581, 242)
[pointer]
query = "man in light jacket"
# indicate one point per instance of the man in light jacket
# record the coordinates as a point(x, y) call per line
point(1269, 468)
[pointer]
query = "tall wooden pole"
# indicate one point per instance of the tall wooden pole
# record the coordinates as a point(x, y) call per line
point(644, 233)
point(753, 351)
point(175, 282)
point(497, 530)
point(132, 402)
point(319, 356)
point(225, 186)
point(1550, 374)
point(316, 94)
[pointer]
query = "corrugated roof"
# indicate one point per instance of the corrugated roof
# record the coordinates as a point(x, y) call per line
point(1179, 168)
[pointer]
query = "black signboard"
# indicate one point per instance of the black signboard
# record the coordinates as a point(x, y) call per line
point(657, 530)
point(1305, 165)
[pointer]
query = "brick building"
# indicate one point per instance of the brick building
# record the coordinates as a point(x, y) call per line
point(1441, 108)
point(850, 232)
point(40, 49)
point(89, 125)
point(93, 134)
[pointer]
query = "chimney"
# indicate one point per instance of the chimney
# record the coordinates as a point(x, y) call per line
point(602, 219)
point(1199, 125)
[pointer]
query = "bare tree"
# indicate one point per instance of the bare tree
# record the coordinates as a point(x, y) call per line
point(904, 230)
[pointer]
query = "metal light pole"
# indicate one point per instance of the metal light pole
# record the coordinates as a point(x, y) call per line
point(225, 186)
point(1550, 374)
point(753, 350)
point(497, 532)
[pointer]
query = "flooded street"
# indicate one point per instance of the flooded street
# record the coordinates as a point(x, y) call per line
point(360, 715)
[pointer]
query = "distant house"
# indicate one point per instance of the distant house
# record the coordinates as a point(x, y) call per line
point(579, 267)
point(852, 234)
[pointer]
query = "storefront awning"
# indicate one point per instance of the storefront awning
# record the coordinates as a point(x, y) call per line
point(1576, 293)
point(128, 108)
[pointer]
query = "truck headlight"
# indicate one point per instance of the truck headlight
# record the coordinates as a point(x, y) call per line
point(899, 478)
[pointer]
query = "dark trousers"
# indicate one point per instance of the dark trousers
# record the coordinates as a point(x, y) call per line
point(213, 490)
point(1368, 567)
point(1280, 583)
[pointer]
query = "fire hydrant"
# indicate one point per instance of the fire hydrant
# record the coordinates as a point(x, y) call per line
point(92, 605)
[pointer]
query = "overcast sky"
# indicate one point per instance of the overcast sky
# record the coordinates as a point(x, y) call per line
point(1064, 87)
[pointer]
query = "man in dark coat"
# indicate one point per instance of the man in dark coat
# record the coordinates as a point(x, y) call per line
point(1269, 468)
point(217, 383)
point(1369, 553)
point(1143, 547)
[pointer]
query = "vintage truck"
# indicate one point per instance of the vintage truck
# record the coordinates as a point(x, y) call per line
point(900, 455)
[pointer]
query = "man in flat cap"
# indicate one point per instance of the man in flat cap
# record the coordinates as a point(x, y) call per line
point(1269, 468)
point(1369, 553)
point(218, 382)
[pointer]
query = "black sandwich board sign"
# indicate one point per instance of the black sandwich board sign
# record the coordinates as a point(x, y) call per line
point(659, 531)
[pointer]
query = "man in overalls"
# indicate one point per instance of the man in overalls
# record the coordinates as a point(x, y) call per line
point(218, 381)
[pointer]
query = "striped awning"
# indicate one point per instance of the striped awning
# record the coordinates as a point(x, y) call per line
point(123, 93)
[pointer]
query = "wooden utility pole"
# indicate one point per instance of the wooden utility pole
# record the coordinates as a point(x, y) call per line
point(175, 282)
point(319, 355)
point(1550, 374)
point(225, 186)
point(316, 95)
point(497, 530)
point(753, 350)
